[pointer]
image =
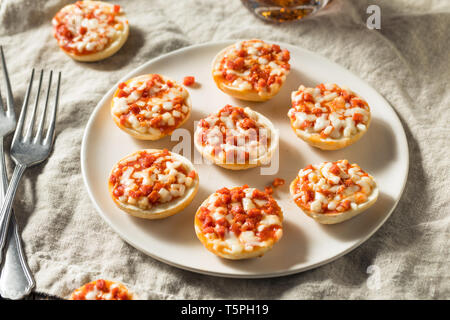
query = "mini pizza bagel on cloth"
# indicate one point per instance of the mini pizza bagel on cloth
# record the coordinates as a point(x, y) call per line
point(236, 138)
point(329, 117)
point(102, 290)
point(151, 106)
point(153, 184)
point(90, 30)
point(332, 192)
point(239, 223)
point(251, 70)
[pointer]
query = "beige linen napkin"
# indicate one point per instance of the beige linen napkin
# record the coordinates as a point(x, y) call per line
point(67, 243)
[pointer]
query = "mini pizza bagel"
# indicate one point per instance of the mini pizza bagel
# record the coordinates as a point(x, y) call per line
point(102, 290)
point(151, 106)
point(239, 223)
point(251, 70)
point(153, 184)
point(332, 192)
point(236, 138)
point(329, 117)
point(90, 30)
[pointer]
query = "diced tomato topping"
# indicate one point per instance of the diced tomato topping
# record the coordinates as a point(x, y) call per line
point(116, 8)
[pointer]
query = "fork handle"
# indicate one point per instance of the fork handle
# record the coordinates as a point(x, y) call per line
point(5, 212)
point(16, 279)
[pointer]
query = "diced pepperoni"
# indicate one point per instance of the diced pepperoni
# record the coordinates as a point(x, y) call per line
point(236, 228)
point(262, 83)
point(254, 213)
point(334, 169)
point(189, 81)
point(222, 222)
point(122, 94)
point(308, 97)
point(239, 218)
point(257, 194)
point(101, 285)
point(268, 232)
point(146, 189)
point(248, 123)
point(192, 174)
point(358, 117)
point(220, 231)
point(278, 182)
point(268, 190)
point(285, 55)
point(208, 222)
point(276, 48)
point(242, 53)
point(118, 192)
point(135, 109)
point(208, 230)
point(230, 77)
point(153, 197)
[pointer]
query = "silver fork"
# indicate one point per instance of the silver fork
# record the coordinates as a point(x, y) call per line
point(16, 280)
point(28, 150)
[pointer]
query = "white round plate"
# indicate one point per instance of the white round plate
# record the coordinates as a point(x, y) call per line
point(383, 152)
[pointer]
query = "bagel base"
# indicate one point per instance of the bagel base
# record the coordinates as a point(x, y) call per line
point(247, 94)
point(315, 140)
point(161, 210)
point(261, 160)
point(116, 42)
point(257, 251)
point(149, 136)
point(337, 217)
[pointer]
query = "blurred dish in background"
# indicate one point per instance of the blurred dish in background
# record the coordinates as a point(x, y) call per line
point(284, 10)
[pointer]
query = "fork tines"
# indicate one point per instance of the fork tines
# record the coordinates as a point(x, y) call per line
point(9, 96)
point(38, 137)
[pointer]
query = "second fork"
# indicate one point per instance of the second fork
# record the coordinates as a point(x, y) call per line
point(26, 150)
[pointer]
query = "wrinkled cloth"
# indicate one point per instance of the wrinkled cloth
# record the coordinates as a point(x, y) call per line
point(66, 241)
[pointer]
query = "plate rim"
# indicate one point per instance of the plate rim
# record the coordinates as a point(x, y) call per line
point(122, 235)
